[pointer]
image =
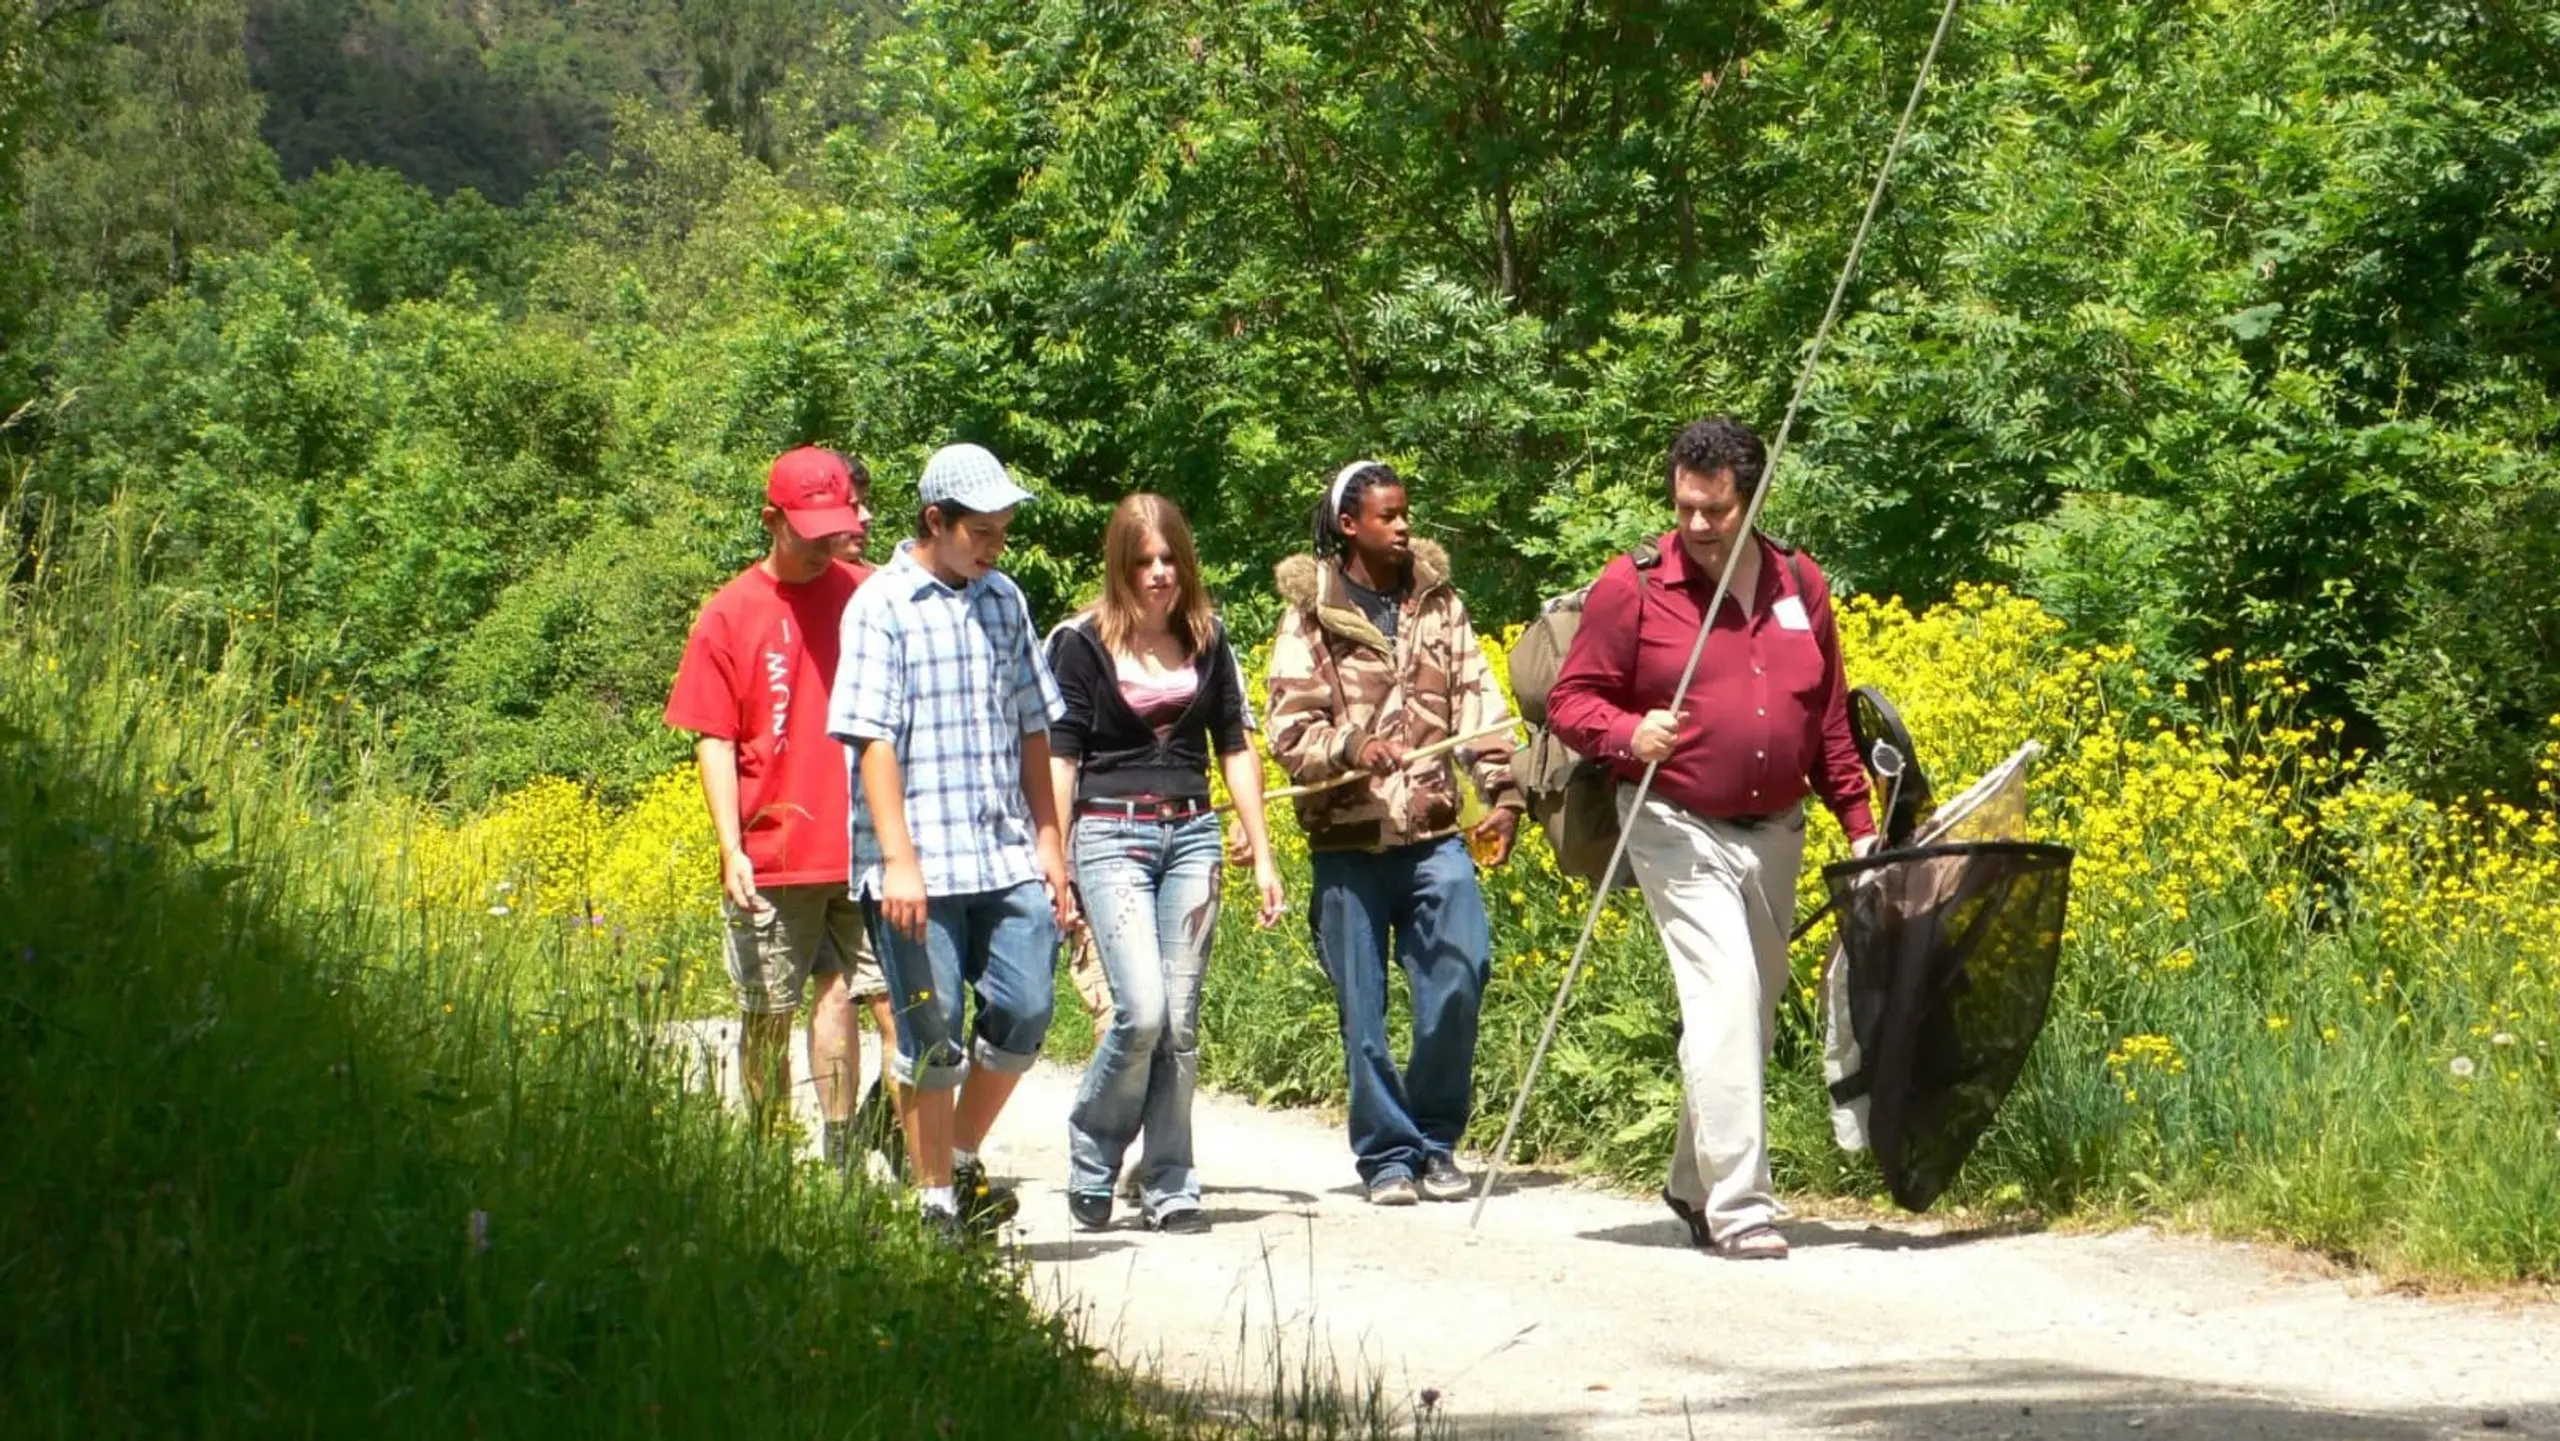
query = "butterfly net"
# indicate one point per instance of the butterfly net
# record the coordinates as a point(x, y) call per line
point(1940, 980)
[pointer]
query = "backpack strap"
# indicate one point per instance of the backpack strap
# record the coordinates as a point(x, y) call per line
point(1795, 563)
point(1643, 558)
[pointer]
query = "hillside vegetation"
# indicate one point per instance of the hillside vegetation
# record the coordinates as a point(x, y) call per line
point(2203, 325)
point(2193, 414)
point(296, 1146)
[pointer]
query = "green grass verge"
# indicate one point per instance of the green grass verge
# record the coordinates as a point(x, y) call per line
point(289, 1154)
point(2342, 1129)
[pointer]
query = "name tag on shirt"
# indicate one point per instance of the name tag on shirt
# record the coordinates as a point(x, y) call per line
point(1790, 613)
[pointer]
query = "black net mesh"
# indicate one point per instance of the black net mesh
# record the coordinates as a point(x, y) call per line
point(1951, 952)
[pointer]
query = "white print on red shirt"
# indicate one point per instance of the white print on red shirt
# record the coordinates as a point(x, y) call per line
point(777, 674)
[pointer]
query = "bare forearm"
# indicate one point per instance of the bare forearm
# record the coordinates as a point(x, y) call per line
point(884, 794)
point(1039, 786)
point(1062, 784)
point(717, 760)
point(1244, 782)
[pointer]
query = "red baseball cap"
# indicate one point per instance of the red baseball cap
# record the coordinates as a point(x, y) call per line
point(813, 489)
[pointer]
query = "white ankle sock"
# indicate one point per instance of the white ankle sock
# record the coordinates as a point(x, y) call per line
point(940, 1198)
point(961, 1158)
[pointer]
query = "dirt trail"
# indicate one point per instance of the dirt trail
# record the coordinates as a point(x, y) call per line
point(1580, 1312)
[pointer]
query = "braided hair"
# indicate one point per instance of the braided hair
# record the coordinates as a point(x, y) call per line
point(1344, 497)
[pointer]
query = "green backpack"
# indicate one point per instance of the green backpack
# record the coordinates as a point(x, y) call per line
point(1574, 798)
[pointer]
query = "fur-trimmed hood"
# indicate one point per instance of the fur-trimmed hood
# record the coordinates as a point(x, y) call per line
point(1335, 682)
point(1315, 586)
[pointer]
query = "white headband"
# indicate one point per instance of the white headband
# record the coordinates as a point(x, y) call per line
point(1341, 479)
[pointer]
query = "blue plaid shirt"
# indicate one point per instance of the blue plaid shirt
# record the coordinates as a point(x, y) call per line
point(952, 681)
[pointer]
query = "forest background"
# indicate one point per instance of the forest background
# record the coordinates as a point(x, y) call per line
point(450, 338)
point(2193, 415)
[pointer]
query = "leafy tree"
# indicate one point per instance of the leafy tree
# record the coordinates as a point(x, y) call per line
point(162, 165)
point(666, 230)
point(366, 485)
point(404, 490)
point(497, 95)
point(2465, 689)
point(2234, 289)
point(741, 49)
point(2210, 324)
point(45, 51)
point(387, 240)
point(567, 674)
point(491, 96)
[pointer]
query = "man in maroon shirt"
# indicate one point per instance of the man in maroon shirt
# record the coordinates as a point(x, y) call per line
point(753, 689)
point(1720, 837)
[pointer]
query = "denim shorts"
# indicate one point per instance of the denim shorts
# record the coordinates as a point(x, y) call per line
point(1002, 947)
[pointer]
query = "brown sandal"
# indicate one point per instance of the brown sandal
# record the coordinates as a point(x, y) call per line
point(1754, 1243)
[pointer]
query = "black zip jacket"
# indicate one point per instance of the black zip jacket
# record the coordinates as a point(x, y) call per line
point(1118, 755)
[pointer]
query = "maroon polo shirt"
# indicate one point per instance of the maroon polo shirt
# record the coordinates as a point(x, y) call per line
point(1768, 713)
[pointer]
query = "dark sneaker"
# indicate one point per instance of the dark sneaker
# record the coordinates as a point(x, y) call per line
point(1180, 1221)
point(948, 1229)
point(1442, 1180)
point(1092, 1213)
point(1690, 1216)
point(984, 1205)
point(875, 1130)
point(1393, 1189)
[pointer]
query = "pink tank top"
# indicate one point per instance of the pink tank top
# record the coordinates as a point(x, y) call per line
point(1160, 703)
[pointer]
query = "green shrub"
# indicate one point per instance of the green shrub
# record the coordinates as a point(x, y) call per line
point(295, 1146)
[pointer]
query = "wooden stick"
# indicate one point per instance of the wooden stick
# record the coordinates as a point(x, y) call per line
point(1419, 753)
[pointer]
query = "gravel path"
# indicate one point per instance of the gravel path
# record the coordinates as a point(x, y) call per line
point(1581, 1312)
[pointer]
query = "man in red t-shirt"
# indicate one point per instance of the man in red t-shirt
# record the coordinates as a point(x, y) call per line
point(753, 688)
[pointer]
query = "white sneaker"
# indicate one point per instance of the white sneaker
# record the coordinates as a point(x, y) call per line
point(1393, 1191)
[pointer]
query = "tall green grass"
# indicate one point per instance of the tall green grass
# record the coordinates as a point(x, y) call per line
point(2301, 1109)
point(288, 1152)
point(2294, 1001)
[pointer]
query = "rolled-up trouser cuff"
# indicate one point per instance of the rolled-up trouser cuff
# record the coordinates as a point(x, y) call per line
point(982, 1052)
point(1001, 945)
point(927, 1075)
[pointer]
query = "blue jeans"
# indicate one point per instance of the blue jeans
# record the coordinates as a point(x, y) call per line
point(1426, 895)
point(1150, 892)
point(1001, 944)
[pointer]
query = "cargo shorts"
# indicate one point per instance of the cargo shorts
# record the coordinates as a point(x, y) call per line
point(793, 933)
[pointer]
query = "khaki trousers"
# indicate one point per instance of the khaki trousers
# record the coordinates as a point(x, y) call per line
point(1721, 895)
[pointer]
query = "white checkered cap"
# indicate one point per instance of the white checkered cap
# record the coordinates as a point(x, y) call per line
point(971, 475)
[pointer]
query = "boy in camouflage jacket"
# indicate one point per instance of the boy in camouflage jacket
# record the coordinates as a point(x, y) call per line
point(1373, 659)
